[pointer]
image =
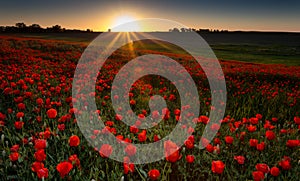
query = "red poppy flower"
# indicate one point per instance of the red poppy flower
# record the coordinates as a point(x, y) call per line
point(297, 120)
point(251, 128)
point(217, 141)
point(253, 120)
point(40, 155)
point(217, 167)
point(189, 144)
point(275, 119)
point(42, 173)
point(154, 174)
point(61, 127)
point(166, 113)
point(39, 119)
point(217, 149)
point(2, 116)
point(253, 142)
point(156, 138)
point(292, 143)
point(260, 146)
point(40, 144)
point(105, 150)
point(258, 116)
point(172, 97)
point(128, 166)
point(109, 123)
point(268, 125)
point(21, 106)
point(74, 160)
point(190, 158)
point(258, 175)
point(240, 159)
point(51, 113)
point(39, 101)
point(171, 151)
point(242, 135)
point(262, 167)
point(130, 150)
point(36, 166)
point(155, 115)
point(46, 134)
point(19, 124)
point(210, 148)
point(283, 131)
point(118, 117)
point(215, 127)
point(270, 135)
point(127, 140)
point(229, 139)
point(203, 119)
point(275, 171)
point(142, 136)
point(285, 164)
point(14, 148)
point(74, 141)
point(14, 156)
point(64, 168)
point(20, 115)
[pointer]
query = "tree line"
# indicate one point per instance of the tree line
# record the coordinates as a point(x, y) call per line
point(36, 28)
point(197, 30)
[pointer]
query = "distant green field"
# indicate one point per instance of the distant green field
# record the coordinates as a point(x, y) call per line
point(265, 48)
point(269, 54)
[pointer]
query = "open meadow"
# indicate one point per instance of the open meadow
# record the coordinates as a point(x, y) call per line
point(258, 136)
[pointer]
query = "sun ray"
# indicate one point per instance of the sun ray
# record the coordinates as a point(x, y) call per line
point(125, 23)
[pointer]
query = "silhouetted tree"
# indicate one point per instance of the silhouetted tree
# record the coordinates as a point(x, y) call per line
point(56, 28)
point(21, 25)
point(175, 30)
point(2, 28)
point(35, 28)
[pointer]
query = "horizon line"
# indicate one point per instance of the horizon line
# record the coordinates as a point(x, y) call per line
point(208, 30)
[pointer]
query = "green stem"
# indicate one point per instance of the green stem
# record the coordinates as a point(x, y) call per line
point(140, 174)
point(163, 174)
point(106, 170)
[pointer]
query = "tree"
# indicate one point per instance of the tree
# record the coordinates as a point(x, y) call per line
point(56, 28)
point(2, 28)
point(21, 25)
point(175, 30)
point(35, 26)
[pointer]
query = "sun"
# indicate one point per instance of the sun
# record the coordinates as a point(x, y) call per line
point(123, 19)
point(125, 23)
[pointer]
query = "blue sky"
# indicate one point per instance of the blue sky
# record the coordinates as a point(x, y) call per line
point(99, 15)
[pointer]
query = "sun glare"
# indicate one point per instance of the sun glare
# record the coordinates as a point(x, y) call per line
point(125, 23)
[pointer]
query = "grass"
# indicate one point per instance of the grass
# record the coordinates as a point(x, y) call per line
point(268, 54)
point(284, 51)
point(51, 66)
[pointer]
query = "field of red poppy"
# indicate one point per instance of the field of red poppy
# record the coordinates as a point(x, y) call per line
point(258, 138)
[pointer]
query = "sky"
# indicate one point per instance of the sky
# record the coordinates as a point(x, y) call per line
point(99, 15)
